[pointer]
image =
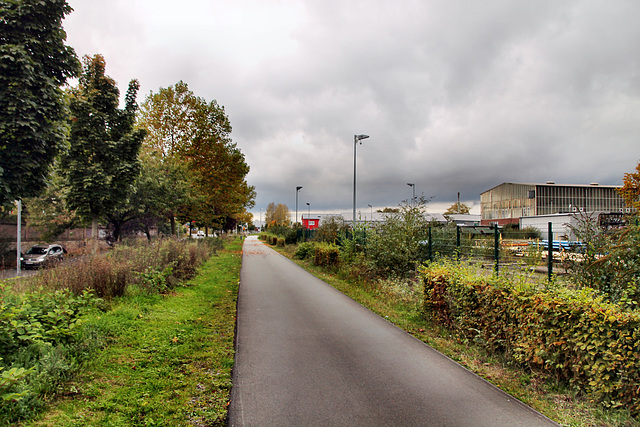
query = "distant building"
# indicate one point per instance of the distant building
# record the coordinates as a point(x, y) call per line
point(561, 225)
point(311, 222)
point(465, 220)
point(508, 202)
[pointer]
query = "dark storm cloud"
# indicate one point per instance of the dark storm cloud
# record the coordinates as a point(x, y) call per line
point(457, 96)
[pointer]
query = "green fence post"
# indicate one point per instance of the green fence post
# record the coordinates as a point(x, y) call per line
point(496, 248)
point(457, 243)
point(550, 252)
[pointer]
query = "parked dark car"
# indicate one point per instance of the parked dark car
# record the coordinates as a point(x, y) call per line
point(41, 256)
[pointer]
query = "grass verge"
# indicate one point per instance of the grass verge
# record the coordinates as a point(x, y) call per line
point(167, 359)
point(536, 389)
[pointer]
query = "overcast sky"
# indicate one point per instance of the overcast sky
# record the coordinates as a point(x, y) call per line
point(457, 96)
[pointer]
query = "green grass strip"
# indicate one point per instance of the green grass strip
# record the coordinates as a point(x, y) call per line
point(167, 361)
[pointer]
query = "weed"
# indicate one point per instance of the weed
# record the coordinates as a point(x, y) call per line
point(166, 359)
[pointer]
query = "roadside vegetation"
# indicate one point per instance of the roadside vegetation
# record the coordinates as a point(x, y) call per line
point(568, 347)
point(135, 337)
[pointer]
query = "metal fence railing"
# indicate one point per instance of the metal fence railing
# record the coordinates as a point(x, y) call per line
point(493, 246)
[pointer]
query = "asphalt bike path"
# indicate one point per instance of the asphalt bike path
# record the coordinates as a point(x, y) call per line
point(307, 355)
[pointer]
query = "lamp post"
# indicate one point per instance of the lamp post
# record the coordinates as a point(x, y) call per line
point(371, 207)
point(297, 189)
point(19, 238)
point(413, 186)
point(356, 139)
point(308, 211)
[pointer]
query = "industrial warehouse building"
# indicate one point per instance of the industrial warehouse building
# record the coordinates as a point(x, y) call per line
point(508, 202)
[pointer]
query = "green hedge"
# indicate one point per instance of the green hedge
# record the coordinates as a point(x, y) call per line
point(304, 250)
point(326, 254)
point(581, 339)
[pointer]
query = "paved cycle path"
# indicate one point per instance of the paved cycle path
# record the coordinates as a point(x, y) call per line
point(307, 355)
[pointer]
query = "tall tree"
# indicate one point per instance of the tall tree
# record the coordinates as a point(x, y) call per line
point(102, 161)
point(184, 128)
point(277, 214)
point(48, 212)
point(34, 64)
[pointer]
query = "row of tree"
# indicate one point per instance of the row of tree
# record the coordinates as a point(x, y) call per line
point(74, 156)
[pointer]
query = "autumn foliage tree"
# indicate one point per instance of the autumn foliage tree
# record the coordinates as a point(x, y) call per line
point(192, 138)
point(630, 190)
point(457, 208)
point(277, 215)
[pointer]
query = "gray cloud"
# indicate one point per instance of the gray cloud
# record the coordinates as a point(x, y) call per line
point(457, 96)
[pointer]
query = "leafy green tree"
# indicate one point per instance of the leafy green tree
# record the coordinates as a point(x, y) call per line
point(34, 64)
point(102, 161)
point(152, 195)
point(49, 212)
point(395, 245)
point(607, 261)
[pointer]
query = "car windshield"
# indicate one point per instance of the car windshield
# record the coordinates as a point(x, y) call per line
point(37, 251)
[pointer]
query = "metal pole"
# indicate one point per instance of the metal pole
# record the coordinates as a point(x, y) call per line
point(550, 253)
point(297, 189)
point(430, 243)
point(19, 238)
point(457, 243)
point(355, 142)
point(356, 138)
point(496, 248)
point(413, 188)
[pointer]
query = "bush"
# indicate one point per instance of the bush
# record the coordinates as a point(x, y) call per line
point(330, 230)
point(609, 261)
point(109, 276)
point(42, 343)
point(304, 250)
point(291, 237)
point(589, 343)
point(395, 246)
point(326, 254)
point(280, 242)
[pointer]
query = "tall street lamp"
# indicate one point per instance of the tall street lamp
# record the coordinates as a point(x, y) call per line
point(297, 189)
point(414, 192)
point(371, 207)
point(308, 212)
point(356, 139)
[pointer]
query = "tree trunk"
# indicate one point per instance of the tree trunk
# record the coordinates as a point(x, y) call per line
point(94, 235)
point(94, 228)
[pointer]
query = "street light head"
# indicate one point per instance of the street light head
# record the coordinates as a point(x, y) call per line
point(361, 137)
point(308, 204)
point(298, 187)
point(410, 184)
